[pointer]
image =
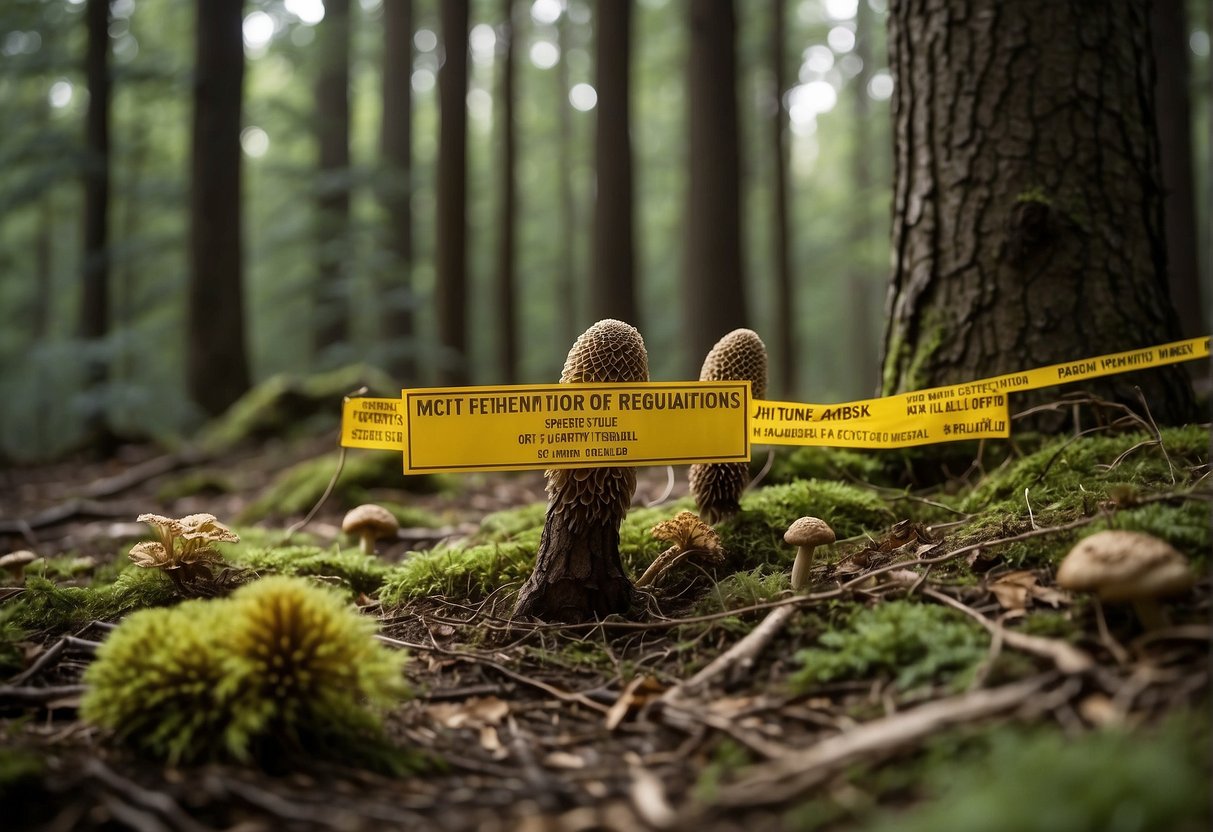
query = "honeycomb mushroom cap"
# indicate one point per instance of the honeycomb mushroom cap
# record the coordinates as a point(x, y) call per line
point(370, 518)
point(738, 356)
point(686, 531)
point(609, 351)
point(809, 531)
point(1120, 565)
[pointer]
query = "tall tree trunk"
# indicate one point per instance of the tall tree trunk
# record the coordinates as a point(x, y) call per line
point(567, 316)
point(94, 309)
point(612, 273)
point(451, 292)
point(860, 285)
point(785, 339)
point(333, 199)
point(713, 291)
point(1169, 24)
point(396, 147)
point(507, 315)
point(1027, 224)
point(217, 364)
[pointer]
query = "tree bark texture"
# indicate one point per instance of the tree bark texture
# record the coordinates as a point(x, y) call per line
point(217, 365)
point(94, 297)
point(396, 148)
point(507, 231)
point(785, 333)
point(612, 273)
point(333, 198)
point(713, 290)
point(1169, 26)
point(450, 294)
point(1027, 217)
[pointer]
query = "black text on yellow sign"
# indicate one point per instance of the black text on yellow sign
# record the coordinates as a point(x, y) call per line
point(521, 427)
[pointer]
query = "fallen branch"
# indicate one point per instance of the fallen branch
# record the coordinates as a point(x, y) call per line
point(38, 696)
point(797, 772)
point(738, 659)
point(1067, 657)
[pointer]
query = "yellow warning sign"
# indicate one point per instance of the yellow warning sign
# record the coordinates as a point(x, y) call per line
point(943, 414)
point(520, 427)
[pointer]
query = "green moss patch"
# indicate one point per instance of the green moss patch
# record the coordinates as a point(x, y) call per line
point(912, 643)
point(47, 606)
point(362, 573)
point(1048, 782)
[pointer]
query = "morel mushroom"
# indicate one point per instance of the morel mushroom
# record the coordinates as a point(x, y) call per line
point(578, 574)
point(738, 356)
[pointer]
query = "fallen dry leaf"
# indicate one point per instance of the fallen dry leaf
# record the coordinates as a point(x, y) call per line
point(471, 713)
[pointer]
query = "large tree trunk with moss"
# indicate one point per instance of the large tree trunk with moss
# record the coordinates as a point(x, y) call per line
point(1027, 224)
point(217, 362)
point(333, 264)
point(713, 292)
point(612, 280)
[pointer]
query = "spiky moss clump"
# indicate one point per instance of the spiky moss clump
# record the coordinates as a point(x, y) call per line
point(911, 642)
point(305, 671)
point(363, 573)
point(1047, 781)
point(282, 666)
point(299, 488)
point(46, 606)
point(467, 573)
point(1067, 476)
point(756, 535)
point(156, 682)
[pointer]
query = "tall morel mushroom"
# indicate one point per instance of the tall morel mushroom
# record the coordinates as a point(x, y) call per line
point(738, 356)
point(578, 574)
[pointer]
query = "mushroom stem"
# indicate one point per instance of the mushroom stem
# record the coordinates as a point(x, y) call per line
point(366, 543)
point(801, 566)
point(1151, 614)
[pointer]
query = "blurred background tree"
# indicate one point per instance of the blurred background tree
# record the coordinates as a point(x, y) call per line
point(380, 265)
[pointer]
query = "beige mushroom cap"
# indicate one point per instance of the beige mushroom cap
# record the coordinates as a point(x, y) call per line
point(1124, 566)
point(15, 562)
point(809, 531)
point(369, 521)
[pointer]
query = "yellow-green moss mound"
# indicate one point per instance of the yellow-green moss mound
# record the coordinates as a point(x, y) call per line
point(283, 666)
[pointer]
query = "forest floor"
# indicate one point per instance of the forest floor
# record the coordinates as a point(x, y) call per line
point(933, 677)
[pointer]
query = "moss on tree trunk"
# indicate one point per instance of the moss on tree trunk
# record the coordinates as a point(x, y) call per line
point(1027, 223)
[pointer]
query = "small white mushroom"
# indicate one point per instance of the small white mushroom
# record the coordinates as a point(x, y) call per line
point(806, 534)
point(15, 562)
point(1129, 566)
point(368, 523)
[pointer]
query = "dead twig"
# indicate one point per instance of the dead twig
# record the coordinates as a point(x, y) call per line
point(799, 771)
point(738, 659)
point(79, 645)
point(38, 696)
point(1068, 658)
point(158, 803)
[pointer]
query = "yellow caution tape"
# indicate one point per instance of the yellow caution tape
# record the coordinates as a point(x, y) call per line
point(520, 427)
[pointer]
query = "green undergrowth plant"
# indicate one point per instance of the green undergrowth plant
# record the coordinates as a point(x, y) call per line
point(1068, 476)
point(1113, 780)
point(743, 589)
point(282, 667)
point(912, 643)
point(467, 573)
point(755, 536)
point(46, 606)
point(360, 572)
point(300, 487)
